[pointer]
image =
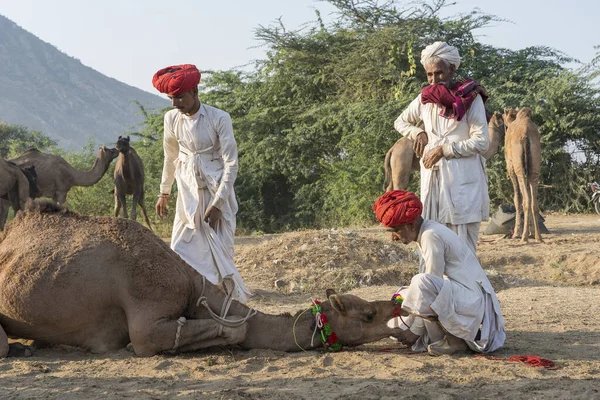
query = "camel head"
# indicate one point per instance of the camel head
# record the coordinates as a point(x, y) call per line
point(107, 154)
point(510, 114)
point(356, 321)
point(123, 144)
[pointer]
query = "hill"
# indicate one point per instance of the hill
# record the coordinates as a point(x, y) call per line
point(46, 90)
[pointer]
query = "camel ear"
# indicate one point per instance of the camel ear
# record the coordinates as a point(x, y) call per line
point(127, 137)
point(337, 304)
point(329, 292)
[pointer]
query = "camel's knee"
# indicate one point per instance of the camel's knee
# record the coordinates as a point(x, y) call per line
point(235, 335)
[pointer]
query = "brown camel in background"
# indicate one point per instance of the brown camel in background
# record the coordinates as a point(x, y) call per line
point(56, 176)
point(130, 287)
point(13, 183)
point(523, 152)
point(401, 160)
point(129, 179)
point(12, 197)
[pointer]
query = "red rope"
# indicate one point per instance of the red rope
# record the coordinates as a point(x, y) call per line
point(529, 360)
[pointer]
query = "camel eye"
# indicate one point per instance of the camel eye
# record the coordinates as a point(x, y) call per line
point(370, 317)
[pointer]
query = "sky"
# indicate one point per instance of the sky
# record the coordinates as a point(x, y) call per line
point(129, 40)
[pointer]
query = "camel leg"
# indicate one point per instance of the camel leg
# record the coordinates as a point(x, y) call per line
point(136, 200)
point(13, 349)
point(123, 201)
point(117, 205)
point(3, 343)
point(4, 206)
point(526, 198)
point(148, 339)
point(517, 201)
point(60, 198)
point(144, 213)
point(533, 188)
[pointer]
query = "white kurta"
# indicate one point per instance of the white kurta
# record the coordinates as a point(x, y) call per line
point(452, 286)
point(455, 190)
point(201, 153)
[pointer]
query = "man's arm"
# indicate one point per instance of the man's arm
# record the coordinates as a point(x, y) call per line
point(407, 123)
point(171, 151)
point(229, 153)
point(432, 251)
point(479, 137)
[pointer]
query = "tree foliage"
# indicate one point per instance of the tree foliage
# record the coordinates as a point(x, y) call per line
point(314, 118)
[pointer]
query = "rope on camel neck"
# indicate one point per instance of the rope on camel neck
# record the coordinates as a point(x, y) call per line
point(221, 319)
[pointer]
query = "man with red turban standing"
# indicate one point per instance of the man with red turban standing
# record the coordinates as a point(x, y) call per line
point(450, 303)
point(201, 154)
point(451, 144)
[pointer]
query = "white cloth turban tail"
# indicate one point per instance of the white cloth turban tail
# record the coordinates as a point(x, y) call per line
point(442, 50)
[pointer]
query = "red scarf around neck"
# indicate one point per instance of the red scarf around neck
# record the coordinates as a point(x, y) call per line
point(455, 102)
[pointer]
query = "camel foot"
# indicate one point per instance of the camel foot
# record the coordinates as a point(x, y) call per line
point(539, 240)
point(20, 350)
point(130, 348)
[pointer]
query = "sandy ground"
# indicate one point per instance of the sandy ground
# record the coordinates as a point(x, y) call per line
point(550, 297)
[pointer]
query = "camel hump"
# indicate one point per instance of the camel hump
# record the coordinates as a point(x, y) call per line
point(524, 112)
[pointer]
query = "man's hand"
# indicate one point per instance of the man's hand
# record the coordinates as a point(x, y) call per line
point(212, 216)
point(161, 205)
point(407, 338)
point(433, 156)
point(420, 144)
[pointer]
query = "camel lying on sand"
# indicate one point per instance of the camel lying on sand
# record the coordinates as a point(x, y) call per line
point(523, 153)
point(401, 160)
point(12, 197)
point(129, 179)
point(56, 176)
point(100, 283)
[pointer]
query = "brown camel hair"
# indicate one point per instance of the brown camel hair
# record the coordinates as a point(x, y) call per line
point(100, 283)
point(401, 160)
point(523, 152)
point(129, 179)
point(12, 197)
point(56, 176)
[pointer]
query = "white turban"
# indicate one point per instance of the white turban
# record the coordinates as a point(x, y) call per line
point(441, 50)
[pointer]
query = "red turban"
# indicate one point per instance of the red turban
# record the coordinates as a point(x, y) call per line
point(397, 207)
point(176, 79)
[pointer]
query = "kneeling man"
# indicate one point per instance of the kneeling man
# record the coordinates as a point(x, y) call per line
point(450, 303)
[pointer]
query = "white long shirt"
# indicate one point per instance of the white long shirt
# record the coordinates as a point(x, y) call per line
point(201, 153)
point(461, 182)
point(466, 302)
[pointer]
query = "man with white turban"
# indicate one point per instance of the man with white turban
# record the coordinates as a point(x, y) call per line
point(454, 136)
point(201, 153)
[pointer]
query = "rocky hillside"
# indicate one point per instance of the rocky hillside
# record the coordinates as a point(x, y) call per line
point(48, 91)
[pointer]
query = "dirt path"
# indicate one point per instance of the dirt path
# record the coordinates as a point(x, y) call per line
point(549, 295)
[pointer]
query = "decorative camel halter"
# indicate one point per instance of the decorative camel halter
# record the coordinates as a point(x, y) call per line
point(328, 337)
point(221, 319)
point(397, 300)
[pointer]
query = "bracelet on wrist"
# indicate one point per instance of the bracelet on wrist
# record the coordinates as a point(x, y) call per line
point(164, 195)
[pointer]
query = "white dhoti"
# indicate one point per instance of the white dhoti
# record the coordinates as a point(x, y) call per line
point(468, 232)
point(209, 251)
point(461, 312)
